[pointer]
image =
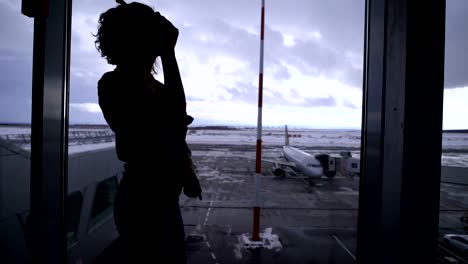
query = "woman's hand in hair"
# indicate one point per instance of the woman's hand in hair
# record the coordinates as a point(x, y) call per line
point(169, 35)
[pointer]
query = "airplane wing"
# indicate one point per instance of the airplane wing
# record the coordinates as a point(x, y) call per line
point(284, 163)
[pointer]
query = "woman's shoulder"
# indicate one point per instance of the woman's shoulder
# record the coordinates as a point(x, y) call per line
point(110, 83)
point(107, 79)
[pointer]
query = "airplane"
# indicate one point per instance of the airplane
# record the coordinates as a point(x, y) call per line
point(301, 164)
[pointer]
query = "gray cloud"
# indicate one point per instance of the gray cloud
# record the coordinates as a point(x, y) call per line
point(280, 72)
point(349, 104)
point(354, 77)
point(310, 57)
point(340, 22)
point(314, 58)
point(232, 29)
point(16, 29)
point(320, 102)
point(15, 110)
point(16, 73)
point(456, 44)
point(247, 92)
point(15, 86)
point(194, 99)
point(220, 39)
point(244, 91)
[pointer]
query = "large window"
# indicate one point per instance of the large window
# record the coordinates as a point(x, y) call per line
point(312, 83)
point(308, 191)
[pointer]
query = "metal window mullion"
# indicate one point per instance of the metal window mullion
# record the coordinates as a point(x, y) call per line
point(49, 132)
point(402, 123)
point(370, 187)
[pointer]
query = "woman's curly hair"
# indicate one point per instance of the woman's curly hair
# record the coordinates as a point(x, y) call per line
point(127, 33)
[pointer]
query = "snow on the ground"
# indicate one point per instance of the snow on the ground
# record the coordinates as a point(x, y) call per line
point(9, 130)
point(242, 136)
point(267, 240)
point(72, 149)
point(342, 138)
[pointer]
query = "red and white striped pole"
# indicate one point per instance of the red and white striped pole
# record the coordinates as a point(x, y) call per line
point(258, 162)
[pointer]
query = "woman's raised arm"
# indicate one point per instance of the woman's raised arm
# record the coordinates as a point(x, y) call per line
point(172, 79)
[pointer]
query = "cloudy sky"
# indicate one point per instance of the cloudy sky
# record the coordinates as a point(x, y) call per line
point(313, 61)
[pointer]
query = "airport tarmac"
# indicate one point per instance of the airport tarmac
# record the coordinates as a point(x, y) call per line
point(314, 224)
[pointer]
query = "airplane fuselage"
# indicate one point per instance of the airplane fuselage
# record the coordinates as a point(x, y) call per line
point(304, 162)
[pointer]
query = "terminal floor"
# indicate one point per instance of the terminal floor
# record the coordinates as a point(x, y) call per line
point(299, 246)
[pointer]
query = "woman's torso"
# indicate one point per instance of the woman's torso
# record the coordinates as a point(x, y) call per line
point(139, 112)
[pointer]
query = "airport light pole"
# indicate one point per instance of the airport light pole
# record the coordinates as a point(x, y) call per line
point(258, 161)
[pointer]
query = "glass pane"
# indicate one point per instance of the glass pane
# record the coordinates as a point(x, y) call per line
point(15, 130)
point(93, 167)
point(453, 218)
point(312, 83)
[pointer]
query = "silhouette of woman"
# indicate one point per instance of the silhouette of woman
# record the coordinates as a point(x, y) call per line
point(150, 122)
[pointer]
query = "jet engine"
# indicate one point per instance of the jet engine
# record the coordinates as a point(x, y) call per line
point(277, 170)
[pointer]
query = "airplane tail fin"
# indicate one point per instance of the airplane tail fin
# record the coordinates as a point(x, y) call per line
point(286, 136)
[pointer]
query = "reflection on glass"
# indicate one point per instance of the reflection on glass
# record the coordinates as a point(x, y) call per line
point(103, 200)
point(73, 204)
point(16, 33)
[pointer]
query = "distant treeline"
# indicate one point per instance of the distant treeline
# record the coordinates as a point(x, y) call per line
point(105, 126)
point(92, 126)
point(456, 131)
point(15, 124)
point(214, 127)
